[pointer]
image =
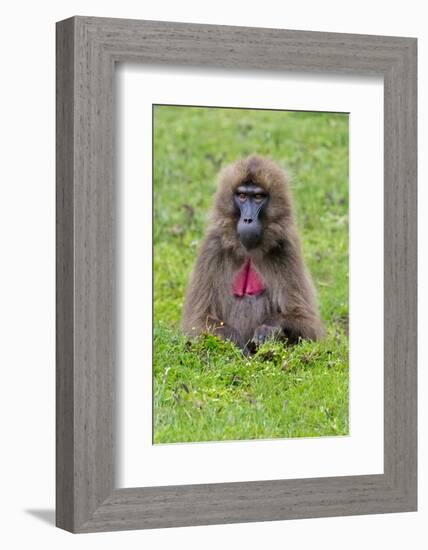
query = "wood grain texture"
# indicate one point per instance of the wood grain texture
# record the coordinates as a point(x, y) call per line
point(64, 277)
point(87, 49)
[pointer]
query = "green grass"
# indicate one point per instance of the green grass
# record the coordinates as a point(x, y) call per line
point(206, 390)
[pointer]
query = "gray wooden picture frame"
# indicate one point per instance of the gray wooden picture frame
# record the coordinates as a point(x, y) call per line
point(87, 50)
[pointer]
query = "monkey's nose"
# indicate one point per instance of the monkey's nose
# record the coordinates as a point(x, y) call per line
point(248, 220)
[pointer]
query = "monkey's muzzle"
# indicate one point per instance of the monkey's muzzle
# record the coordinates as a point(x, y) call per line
point(250, 200)
point(250, 233)
point(250, 229)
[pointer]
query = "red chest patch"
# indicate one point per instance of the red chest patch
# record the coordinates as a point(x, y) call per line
point(247, 282)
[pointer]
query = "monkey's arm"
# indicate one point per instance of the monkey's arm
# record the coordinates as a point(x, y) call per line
point(293, 325)
point(297, 317)
point(206, 322)
point(202, 312)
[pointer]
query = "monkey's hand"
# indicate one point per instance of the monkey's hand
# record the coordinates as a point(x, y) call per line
point(226, 332)
point(265, 332)
point(223, 330)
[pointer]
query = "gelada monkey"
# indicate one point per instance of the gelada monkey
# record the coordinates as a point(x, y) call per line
point(250, 282)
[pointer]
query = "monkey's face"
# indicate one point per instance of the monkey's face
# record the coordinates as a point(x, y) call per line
point(250, 202)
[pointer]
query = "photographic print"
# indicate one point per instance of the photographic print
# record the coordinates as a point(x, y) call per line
point(250, 411)
point(250, 250)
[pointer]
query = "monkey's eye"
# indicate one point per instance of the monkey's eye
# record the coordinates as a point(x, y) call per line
point(242, 196)
point(259, 197)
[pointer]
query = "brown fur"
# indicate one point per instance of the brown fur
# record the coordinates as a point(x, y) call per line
point(287, 308)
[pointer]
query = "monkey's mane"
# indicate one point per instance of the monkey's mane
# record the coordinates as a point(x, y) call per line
point(279, 227)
